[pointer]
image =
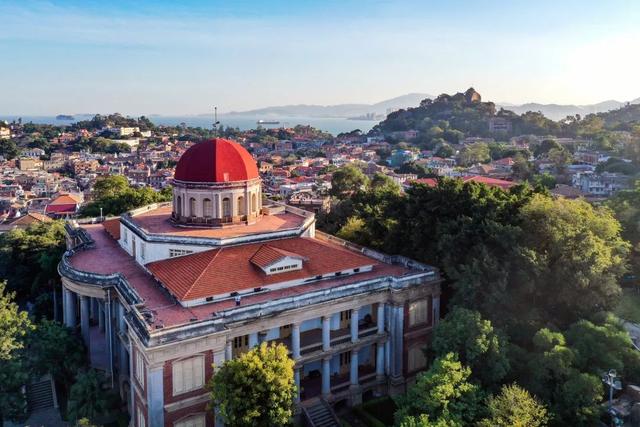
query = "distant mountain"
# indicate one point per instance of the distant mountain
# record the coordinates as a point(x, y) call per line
point(559, 111)
point(339, 110)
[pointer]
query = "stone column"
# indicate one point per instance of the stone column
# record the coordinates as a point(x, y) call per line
point(326, 333)
point(354, 325)
point(295, 341)
point(436, 309)
point(101, 316)
point(70, 309)
point(396, 347)
point(380, 360)
point(155, 395)
point(354, 367)
point(84, 319)
point(253, 339)
point(94, 309)
point(296, 377)
point(380, 318)
point(326, 377)
point(228, 351)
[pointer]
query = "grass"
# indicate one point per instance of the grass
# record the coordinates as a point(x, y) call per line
point(629, 306)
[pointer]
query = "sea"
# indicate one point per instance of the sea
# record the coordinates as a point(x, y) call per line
point(244, 122)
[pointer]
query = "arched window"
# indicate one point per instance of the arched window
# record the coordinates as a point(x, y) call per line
point(241, 205)
point(254, 204)
point(192, 206)
point(179, 206)
point(226, 207)
point(207, 208)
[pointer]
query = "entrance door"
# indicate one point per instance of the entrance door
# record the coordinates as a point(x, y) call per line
point(345, 319)
point(285, 331)
point(345, 362)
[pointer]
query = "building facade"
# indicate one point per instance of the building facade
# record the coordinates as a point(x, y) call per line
point(161, 297)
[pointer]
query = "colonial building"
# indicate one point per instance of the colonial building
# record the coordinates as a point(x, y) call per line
point(167, 292)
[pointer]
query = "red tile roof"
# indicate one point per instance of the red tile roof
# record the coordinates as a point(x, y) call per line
point(64, 199)
point(268, 255)
point(60, 209)
point(216, 160)
point(226, 270)
point(112, 226)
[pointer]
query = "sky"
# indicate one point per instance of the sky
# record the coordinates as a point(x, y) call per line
point(175, 58)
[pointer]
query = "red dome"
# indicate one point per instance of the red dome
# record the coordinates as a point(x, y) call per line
point(216, 160)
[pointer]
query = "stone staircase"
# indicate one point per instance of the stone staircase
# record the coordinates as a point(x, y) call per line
point(40, 395)
point(320, 414)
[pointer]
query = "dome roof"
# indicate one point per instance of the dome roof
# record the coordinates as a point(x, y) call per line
point(216, 160)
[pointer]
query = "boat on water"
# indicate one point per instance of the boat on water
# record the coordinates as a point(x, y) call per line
point(64, 117)
point(267, 122)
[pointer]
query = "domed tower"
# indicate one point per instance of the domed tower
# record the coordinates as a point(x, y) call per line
point(216, 184)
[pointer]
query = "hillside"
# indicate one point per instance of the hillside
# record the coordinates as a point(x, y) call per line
point(449, 118)
point(339, 110)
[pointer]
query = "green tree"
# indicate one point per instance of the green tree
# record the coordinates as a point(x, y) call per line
point(53, 348)
point(575, 257)
point(14, 324)
point(444, 392)
point(346, 181)
point(88, 397)
point(514, 407)
point(115, 196)
point(255, 389)
point(423, 421)
point(474, 153)
point(29, 260)
point(477, 343)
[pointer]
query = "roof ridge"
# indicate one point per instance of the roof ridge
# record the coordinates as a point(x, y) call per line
point(203, 270)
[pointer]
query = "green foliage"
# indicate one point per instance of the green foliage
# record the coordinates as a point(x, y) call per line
point(115, 196)
point(55, 349)
point(255, 389)
point(14, 374)
point(444, 392)
point(575, 256)
point(477, 343)
point(346, 181)
point(14, 324)
point(514, 407)
point(474, 153)
point(89, 397)
point(423, 421)
point(8, 149)
point(29, 260)
point(626, 207)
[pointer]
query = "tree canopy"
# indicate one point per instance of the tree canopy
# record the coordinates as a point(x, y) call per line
point(115, 196)
point(256, 388)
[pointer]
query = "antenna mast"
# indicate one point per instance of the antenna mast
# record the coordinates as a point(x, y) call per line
point(215, 121)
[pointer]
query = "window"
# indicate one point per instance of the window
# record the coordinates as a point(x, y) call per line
point(140, 368)
point(179, 252)
point(207, 208)
point(179, 206)
point(240, 345)
point(254, 204)
point(142, 250)
point(416, 357)
point(194, 421)
point(418, 312)
point(125, 236)
point(240, 205)
point(188, 375)
point(141, 422)
point(226, 207)
point(192, 206)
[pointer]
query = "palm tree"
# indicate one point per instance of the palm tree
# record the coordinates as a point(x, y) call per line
point(89, 396)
